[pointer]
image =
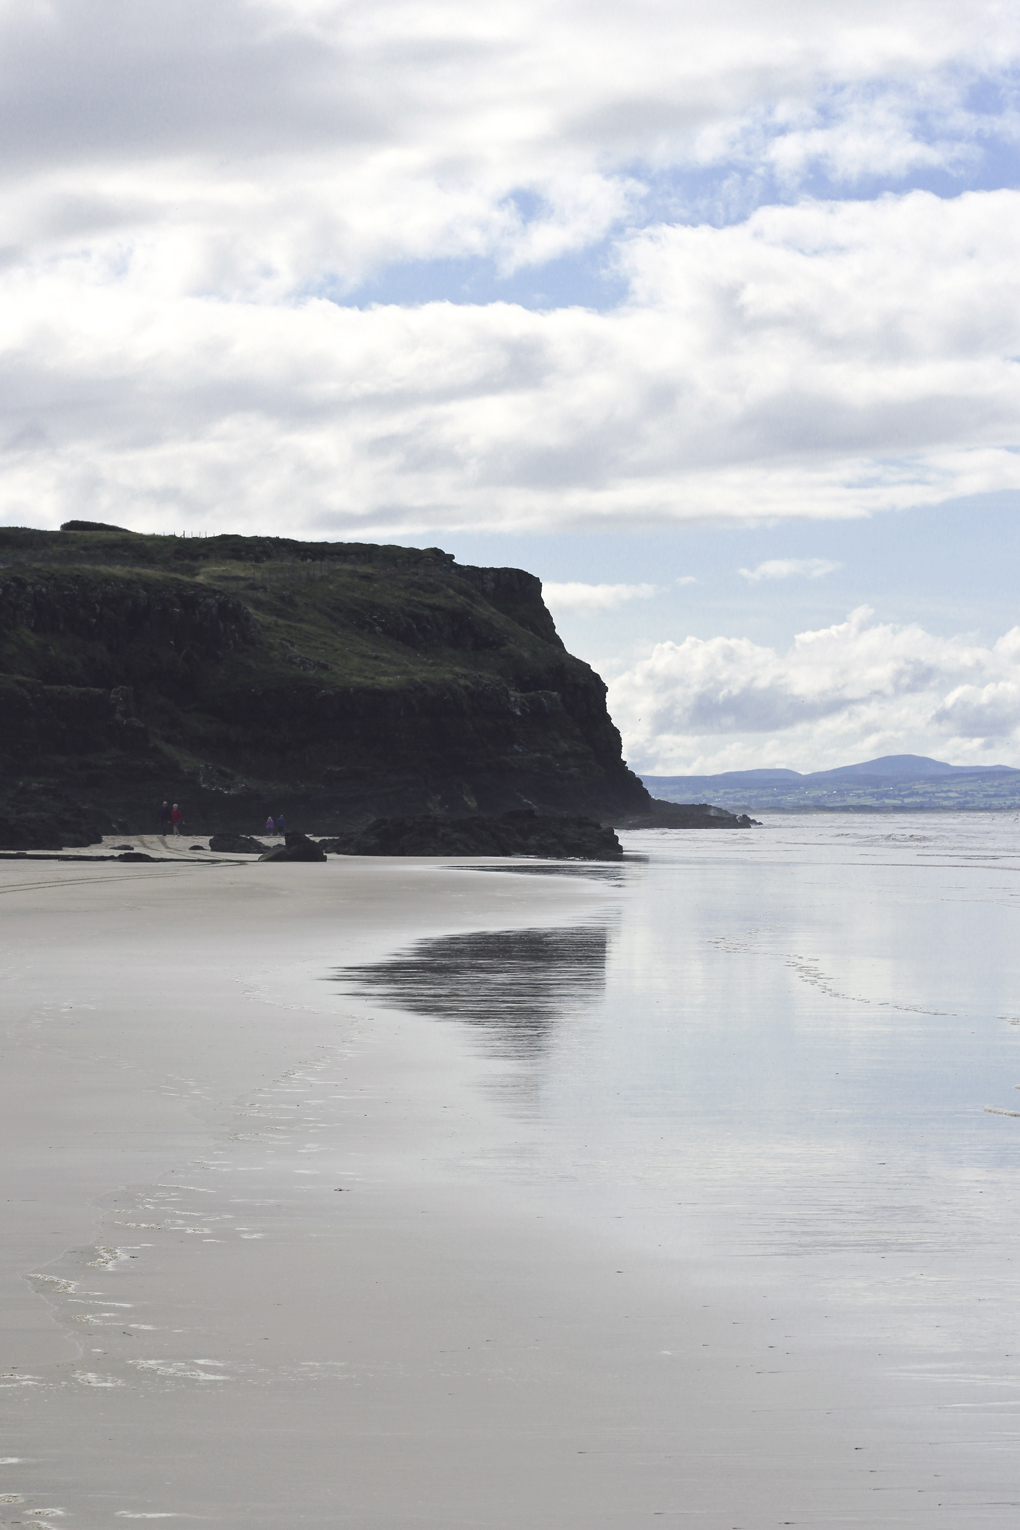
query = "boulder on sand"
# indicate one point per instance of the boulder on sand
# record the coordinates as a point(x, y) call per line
point(235, 844)
point(298, 847)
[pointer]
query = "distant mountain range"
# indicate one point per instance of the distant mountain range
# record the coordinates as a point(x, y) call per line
point(895, 781)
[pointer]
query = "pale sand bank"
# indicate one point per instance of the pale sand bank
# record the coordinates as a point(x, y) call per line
point(217, 1333)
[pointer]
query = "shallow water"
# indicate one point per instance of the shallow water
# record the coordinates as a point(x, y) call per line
point(797, 1069)
point(765, 1017)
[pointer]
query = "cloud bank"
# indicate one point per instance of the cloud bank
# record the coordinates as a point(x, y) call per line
point(855, 690)
point(805, 290)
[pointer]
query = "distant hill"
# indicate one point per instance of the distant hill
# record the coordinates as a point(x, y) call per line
point(894, 781)
point(333, 682)
point(906, 767)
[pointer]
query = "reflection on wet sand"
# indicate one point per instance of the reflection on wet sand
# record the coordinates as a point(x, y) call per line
point(596, 873)
point(517, 983)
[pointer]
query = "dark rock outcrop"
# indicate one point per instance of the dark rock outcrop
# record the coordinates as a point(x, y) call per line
point(686, 815)
point(237, 844)
point(37, 816)
point(92, 526)
point(297, 847)
point(524, 832)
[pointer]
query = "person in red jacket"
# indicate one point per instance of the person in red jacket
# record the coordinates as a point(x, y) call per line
point(176, 818)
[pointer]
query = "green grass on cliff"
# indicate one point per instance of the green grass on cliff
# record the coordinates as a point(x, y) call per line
point(349, 613)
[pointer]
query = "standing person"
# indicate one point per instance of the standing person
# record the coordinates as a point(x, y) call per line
point(270, 825)
point(164, 818)
point(176, 818)
point(280, 825)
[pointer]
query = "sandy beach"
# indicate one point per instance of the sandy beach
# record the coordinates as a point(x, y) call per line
point(259, 1268)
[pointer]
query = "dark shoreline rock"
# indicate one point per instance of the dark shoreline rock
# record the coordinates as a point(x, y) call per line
point(686, 815)
point(237, 844)
point(297, 847)
point(520, 832)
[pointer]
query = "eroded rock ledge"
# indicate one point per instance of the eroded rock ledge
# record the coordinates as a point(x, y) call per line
point(686, 815)
point(523, 832)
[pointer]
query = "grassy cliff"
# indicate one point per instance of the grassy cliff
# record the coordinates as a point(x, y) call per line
point(332, 681)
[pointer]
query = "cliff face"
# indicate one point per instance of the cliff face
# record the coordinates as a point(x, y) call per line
point(333, 682)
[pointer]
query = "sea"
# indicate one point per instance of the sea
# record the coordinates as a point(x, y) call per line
point(785, 1062)
point(807, 1034)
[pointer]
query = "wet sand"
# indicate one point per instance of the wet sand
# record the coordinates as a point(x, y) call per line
point(258, 1271)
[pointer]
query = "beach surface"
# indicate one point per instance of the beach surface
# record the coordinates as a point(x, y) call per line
point(271, 1257)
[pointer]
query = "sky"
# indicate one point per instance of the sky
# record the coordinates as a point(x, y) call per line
point(707, 315)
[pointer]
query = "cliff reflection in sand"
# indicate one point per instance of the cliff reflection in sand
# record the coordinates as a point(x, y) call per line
point(516, 983)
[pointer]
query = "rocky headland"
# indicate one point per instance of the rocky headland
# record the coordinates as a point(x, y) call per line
point(341, 684)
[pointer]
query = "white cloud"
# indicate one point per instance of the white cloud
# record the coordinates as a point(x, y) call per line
point(584, 599)
point(182, 184)
point(819, 360)
point(789, 568)
point(857, 689)
point(859, 129)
